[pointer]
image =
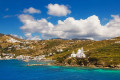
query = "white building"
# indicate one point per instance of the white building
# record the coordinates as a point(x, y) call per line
point(60, 50)
point(11, 40)
point(79, 54)
point(6, 57)
point(20, 57)
point(73, 54)
point(50, 54)
point(38, 58)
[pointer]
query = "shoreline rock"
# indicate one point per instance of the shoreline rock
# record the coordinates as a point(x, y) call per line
point(60, 64)
point(90, 66)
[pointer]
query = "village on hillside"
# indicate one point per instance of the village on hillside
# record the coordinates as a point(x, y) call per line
point(63, 52)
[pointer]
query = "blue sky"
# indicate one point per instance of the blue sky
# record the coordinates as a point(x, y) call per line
point(80, 9)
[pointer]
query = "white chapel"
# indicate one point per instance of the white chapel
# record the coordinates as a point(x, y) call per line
point(79, 54)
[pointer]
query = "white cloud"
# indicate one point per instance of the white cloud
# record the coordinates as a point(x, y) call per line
point(26, 19)
point(72, 28)
point(58, 10)
point(30, 37)
point(49, 17)
point(31, 10)
point(113, 26)
point(31, 25)
point(16, 36)
point(9, 16)
point(34, 38)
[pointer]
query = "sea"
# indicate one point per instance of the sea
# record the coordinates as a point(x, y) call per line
point(17, 70)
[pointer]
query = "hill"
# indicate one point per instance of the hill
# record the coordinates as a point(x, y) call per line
point(105, 53)
point(1, 35)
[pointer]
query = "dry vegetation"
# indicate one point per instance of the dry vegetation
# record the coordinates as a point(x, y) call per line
point(105, 52)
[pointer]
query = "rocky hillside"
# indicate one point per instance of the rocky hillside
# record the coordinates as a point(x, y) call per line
point(105, 53)
point(99, 53)
point(10, 44)
point(1, 35)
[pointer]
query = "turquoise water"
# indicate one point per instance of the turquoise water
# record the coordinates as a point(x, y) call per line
point(16, 70)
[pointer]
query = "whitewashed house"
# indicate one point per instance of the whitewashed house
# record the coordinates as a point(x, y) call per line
point(20, 57)
point(11, 40)
point(60, 50)
point(73, 54)
point(50, 54)
point(6, 57)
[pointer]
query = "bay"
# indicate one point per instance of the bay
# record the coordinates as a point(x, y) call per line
point(17, 70)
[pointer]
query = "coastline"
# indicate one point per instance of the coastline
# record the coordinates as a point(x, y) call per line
point(54, 64)
point(73, 66)
point(59, 64)
point(90, 66)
